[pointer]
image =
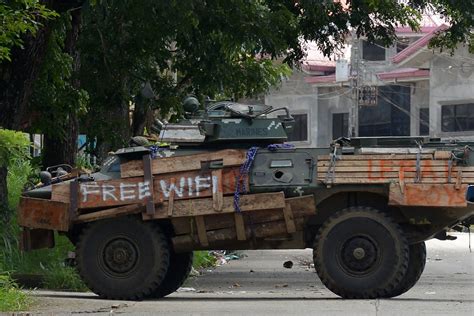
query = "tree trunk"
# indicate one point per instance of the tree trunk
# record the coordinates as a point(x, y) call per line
point(17, 78)
point(59, 149)
point(62, 149)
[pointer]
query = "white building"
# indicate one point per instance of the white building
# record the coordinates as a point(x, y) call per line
point(407, 89)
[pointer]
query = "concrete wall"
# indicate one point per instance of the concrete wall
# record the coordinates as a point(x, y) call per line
point(419, 98)
point(330, 101)
point(300, 98)
point(451, 82)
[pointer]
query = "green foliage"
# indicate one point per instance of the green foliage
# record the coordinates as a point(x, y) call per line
point(83, 162)
point(12, 299)
point(459, 16)
point(19, 173)
point(202, 259)
point(48, 263)
point(17, 18)
point(13, 146)
point(64, 278)
point(55, 96)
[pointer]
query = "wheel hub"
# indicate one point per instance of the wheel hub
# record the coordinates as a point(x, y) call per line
point(359, 254)
point(120, 255)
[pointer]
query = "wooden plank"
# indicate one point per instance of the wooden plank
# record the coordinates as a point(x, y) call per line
point(301, 207)
point(148, 179)
point(385, 163)
point(432, 195)
point(239, 226)
point(60, 192)
point(110, 213)
point(375, 157)
point(45, 214)
point(394, 169)
point(442, 155)
point(289, 220)
point(391, 180)
point(195, 184)
point(262, 230)
point(459, 180)
point(113, 192)
point(230, 157)
point(401, 180)
point(187, 185)
point(171, 198)
point(197, 207)
point(424, 174)
point(73, 199)
point(217, 192)
point(201, 229)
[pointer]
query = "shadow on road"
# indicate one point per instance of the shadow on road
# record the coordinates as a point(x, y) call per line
point(256, 298)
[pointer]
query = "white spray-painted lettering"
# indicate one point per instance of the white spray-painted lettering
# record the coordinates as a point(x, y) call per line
point(172, 187)
point(115, 192)
point(190, 186)
point(108, 191)
point(123, 191)
point(269, 127)
point(89, 188)
point(143, 190)
point(127, 191)
point(215, 184)
point(202, 183)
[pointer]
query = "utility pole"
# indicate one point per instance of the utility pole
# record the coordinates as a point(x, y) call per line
point(354, 84)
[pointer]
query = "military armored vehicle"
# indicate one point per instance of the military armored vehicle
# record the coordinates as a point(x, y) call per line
point(227, 180)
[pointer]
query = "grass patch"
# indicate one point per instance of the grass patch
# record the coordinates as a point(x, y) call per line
point(65, 278)
point(48, 263)
point(12, 299)
point(202, 259)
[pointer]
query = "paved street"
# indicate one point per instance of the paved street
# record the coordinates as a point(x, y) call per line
point(260, 285)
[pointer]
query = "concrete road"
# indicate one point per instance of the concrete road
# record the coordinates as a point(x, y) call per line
point(259, 285)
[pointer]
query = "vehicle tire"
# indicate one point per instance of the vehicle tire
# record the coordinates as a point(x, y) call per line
point(123, 258)
point(360, 252)
point(178, 271)
point(416, 265)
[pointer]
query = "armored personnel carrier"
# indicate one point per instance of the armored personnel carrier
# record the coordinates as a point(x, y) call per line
point(227, 180)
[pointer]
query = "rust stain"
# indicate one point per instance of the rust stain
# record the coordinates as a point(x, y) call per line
point(436, 195)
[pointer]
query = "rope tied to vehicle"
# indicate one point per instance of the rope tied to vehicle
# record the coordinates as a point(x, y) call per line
point(243, 175)
point(332, 165)
point(275, 147)
point(418, 162)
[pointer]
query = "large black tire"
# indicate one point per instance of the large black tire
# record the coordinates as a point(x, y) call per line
point(361, 253)
point(416, 265)
point(178, 271)
point(123, 258)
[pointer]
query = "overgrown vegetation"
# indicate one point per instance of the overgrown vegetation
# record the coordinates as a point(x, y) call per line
point(202, 259)
point(46, 263)
point(11, 297)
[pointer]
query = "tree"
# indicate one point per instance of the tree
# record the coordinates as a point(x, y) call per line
point(216, 48)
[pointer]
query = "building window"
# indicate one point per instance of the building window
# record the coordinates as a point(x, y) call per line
point(300, 131)
point(424, 122)
point(457, 117)
point(390, 116)
point(373, 51)
point(404, 42)
point(340, 125)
